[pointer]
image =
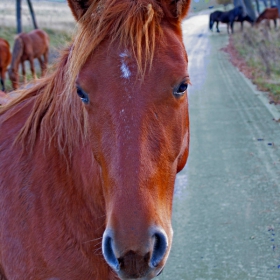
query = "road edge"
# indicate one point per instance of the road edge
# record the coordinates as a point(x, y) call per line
point(263, 96)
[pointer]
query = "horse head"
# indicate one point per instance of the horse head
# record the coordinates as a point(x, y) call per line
point(133, 85)
point(249, 19)
point(14, 77)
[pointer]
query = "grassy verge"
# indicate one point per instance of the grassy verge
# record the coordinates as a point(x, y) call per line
point(259, 48)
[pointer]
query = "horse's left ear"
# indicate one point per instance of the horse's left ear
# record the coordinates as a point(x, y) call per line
point(79, 7)
point(177, 9)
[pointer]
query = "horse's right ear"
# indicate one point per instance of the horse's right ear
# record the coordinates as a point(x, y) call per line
point(79, 7)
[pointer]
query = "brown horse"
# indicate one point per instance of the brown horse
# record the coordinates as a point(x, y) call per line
point(29, 46)
point(268, 14)
point(89, 154)
point(5, 60)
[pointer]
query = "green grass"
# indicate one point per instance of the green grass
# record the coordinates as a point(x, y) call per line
point(58, 38)
point(8, 33)
point(260, 49)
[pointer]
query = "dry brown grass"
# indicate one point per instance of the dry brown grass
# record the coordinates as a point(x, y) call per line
point(256, 52)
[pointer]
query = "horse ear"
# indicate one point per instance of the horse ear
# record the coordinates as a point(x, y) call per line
point(79, 7)
point(177, 8)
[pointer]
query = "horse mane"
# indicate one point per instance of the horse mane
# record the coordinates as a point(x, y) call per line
point(17, 52)
point(57, 114)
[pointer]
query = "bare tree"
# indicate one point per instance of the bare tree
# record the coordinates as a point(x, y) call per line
point(273, 3)
point(250, 9)
point(278, 6)
point(32, 14)
point(241, 3)
point(18, 16)
point(265, 3)
point(257, 6)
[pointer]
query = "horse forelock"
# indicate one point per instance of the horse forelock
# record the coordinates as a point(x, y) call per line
point(58, 115)
point(133, 24)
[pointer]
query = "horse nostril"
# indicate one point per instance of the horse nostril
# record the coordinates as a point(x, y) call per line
point(108, 252)
point(160, 247)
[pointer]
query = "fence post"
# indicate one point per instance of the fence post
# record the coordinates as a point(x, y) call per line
point(18, 9)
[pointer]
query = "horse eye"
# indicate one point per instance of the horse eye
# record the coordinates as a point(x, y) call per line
point(181, 89)
point(82, 95)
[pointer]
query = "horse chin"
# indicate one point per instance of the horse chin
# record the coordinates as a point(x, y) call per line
point(145, 274)
point(133, 267)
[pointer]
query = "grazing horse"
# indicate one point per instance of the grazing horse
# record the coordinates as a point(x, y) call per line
point(5, 60)
point(242, 18)
point(228, 17)
point(214, 18)
point(29, 46)
point(269, 14)
point(90, 152)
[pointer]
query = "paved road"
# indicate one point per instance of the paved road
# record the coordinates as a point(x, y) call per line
point(227, 201)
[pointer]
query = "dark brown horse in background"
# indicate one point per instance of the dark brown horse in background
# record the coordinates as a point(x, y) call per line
point(242, 18)
point(228, 17)
point(269, 14)
point(89, 154)
point(27, 47)
point(5, 60)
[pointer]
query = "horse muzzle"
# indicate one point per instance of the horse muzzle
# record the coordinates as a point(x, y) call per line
point(140, 261)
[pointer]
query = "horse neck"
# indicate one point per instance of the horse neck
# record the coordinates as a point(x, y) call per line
point(17, 53)
point(262, 16)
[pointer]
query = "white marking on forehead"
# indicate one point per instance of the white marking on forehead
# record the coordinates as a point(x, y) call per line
point(124, 68)
point(125, 71)
point(124, 54)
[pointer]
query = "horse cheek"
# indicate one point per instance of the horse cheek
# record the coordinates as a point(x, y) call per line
point(184, 153)
point(182, 160)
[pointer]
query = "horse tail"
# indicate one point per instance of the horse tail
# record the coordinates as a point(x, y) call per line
point(17, 52)
point(211, 22)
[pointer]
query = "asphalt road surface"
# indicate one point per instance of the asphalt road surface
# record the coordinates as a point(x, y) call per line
point(226, 214)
